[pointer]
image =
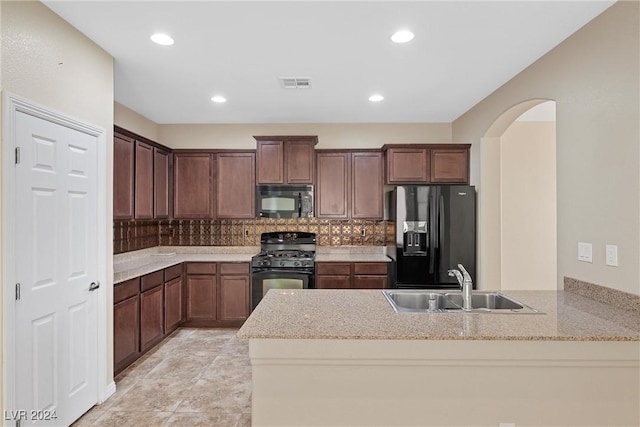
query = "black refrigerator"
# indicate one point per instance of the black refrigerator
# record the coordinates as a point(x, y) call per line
point(435, 231)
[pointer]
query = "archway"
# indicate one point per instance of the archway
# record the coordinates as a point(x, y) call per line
point(517, 201)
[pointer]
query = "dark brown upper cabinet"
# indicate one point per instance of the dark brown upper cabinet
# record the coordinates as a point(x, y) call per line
point(235, 185)
point(449, 165)
point(427, 163)
point(349, 184)
point(141, 177)
point(144, 181)
point(161, 184)
point(123, 176)
point(333, 184)
point(407, 165)
point(270, 164)
point(285, 159)
point(193, 186)
point(299, 161)
point(367, 190)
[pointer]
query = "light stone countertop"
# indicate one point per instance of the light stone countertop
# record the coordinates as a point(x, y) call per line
point(138, 263)
point(352, 258)
point(366, 315)
point(129, 265)
point(351, 254)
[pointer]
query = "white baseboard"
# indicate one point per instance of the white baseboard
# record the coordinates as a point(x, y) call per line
point(108, 392)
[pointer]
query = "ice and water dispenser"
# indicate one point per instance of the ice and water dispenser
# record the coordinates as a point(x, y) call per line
point(414, 237)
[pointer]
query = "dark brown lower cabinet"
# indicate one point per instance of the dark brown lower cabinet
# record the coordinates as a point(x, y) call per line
point(235, 291)
point(370, 282)
point(149, 308)
point(172, 305)
point(202, 292)
point(333, 275)
point(370, 275)
point(126, 323)
point(201, 297)
point(141, 316)
point(151, 317)
point(357, 275)
point(218, 294)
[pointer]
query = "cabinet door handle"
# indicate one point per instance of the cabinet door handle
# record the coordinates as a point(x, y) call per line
point(93, 286)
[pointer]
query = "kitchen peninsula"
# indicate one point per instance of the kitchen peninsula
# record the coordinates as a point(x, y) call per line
point(324, 357)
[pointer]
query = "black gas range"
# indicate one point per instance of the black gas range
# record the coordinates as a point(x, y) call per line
point(286, 261)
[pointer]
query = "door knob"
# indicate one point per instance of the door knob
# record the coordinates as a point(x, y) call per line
point(93, 286)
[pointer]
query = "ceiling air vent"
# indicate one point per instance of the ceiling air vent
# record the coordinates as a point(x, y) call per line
point(295, 82)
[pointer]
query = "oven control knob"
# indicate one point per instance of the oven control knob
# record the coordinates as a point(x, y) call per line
point(264, 262)
point(281, 263)
point(296, 264)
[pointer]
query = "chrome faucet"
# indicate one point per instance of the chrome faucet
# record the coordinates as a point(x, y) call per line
point(466, 285)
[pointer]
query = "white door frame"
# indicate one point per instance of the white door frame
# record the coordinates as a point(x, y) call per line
point(11, 105)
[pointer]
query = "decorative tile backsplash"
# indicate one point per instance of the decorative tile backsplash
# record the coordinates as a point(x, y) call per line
point(135, 235)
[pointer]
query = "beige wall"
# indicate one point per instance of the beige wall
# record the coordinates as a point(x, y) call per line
point(594, 78)
point(240, 136)
point(330, 135)
point(49, 62)
point(130, 120)
point(528, 202)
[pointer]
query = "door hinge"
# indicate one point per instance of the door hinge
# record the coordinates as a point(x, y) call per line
point(17, 155)
point(17, 291)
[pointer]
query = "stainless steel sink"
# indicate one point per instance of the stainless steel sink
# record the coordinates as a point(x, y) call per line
point(406, 300)
point(409, 300)
point(491, 301)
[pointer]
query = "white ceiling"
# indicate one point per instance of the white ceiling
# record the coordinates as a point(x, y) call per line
point(462, 52)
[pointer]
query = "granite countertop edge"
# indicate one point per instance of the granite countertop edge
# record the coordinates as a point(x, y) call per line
point(330, 315)
point(447, 338)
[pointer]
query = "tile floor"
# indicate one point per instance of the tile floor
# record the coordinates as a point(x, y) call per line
point(195, 377)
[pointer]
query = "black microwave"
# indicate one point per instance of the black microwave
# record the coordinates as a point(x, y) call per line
point(284, 201)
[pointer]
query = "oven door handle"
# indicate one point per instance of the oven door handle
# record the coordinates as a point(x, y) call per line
point(281, 270)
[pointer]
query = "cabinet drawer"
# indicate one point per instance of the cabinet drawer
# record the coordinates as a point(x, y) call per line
point(234, 268)
point(125, 290)
point(201, 268)
point(370, 282)
point(370, 268)
point(333, 268)
point(152, 280)
point(172, 272)
point(333, 282)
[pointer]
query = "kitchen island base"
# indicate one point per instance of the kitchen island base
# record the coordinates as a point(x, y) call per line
point(318, 382)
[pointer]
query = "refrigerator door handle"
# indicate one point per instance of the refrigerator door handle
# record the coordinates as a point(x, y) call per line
point(441, 219)
point(431, 221)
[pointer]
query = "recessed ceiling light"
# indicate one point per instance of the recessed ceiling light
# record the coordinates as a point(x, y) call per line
point(162, 39)
point(219, 99)
point(376, 98)
point(402, 36)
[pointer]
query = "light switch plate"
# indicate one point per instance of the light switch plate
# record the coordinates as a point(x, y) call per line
point(611, 255)
point(585, 252)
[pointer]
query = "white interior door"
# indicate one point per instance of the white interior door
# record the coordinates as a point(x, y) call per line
point(56, 261)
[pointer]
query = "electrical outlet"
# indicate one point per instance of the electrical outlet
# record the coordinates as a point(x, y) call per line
point(585, 252)
point(611, 255)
